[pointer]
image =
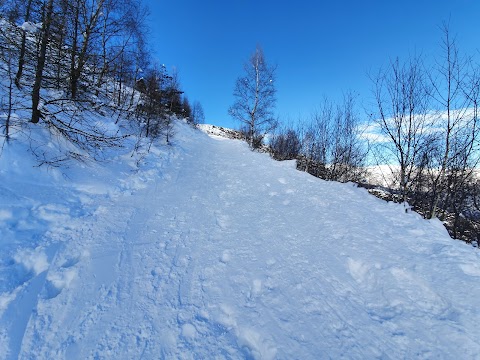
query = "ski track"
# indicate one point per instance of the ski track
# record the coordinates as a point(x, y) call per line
point(203, 261)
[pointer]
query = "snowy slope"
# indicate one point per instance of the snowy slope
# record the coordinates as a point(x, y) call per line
point(211, 251)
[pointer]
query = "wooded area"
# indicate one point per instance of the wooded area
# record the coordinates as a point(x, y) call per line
point(71, 56)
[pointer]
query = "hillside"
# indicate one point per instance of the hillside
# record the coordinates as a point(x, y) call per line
point(209, 250)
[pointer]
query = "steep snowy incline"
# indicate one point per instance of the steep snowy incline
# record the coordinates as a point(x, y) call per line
point(223, 253)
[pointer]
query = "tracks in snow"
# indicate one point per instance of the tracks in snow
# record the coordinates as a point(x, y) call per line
point(221, 258)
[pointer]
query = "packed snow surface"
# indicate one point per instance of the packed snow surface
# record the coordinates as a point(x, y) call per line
point(207, 250)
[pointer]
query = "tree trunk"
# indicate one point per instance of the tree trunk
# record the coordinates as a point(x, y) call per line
point(21, 59)
point(76, 71)
point(36, 114)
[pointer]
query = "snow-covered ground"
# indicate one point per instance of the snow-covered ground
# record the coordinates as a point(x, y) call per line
point(211, 251)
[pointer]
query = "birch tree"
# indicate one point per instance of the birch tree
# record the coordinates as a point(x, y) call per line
point(401, 98)
point(198, 116)
point(255, 99)
point(453, 95)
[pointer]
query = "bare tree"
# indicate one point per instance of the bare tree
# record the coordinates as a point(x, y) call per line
point(401, 97)
point(319, 134)
point(332, 147)
point(347, 151)
point(255, 98)
point(42, 57)
point(454, 94)
point(430, 118)
point(198, 116)
point(21, 59)
point(7, 57)
point(87, 17)
point(285, 143)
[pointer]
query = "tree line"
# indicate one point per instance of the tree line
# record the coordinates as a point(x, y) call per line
point(425, 116)
point(70, 56)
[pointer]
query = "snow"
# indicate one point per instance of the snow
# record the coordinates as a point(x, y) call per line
point(108, 128)
point(226, 256)
point(189, 331)
point(31, 261)
point(30, 27)
point(209, 250)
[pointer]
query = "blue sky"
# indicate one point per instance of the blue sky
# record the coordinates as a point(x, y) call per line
point(321, 48)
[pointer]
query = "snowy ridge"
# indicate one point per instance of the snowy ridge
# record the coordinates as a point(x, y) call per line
point(214, 130)
point(209, 250)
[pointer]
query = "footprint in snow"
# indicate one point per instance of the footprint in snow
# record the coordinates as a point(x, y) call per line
point(470, 269)
point(256, 287)
point(69, 262)
point(53, 212)
point(58, 280)
point(223, 221)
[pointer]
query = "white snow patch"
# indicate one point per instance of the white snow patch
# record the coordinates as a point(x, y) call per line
point(258, 347)
point(470, 269)
point(226, 257)
point(271, 262)
point(30, 27)
point(62, 278)
point(32, 260)
point(256, 287)
point(5, 299)
point(357, 269)
point(53, 212)
point(189, 331)
point(109, 128)
point(227, 316)
point(223, 221)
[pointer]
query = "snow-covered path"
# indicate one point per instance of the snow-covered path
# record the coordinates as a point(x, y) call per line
point(223, 253)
